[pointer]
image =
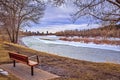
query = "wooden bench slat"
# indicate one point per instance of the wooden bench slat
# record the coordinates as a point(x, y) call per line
point(19, 57)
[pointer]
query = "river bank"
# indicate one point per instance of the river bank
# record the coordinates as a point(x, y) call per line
point(69, 69)
point(95, 40)
point(75, 50)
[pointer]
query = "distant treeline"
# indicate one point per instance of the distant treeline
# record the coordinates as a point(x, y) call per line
point(27, 33)
point(31, 33)
point(107, 31)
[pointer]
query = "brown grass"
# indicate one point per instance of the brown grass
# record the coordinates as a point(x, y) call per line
point(5, 59)
point(10, 77)
point(69, 69)
point(96, 41)
point(107, 31)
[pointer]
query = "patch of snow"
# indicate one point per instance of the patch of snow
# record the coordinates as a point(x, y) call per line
point(4, 73)
point(90, 45)
point(1, 70)
point(98, 38)
point(114, 39)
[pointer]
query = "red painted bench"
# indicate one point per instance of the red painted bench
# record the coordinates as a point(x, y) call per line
point(24, 59)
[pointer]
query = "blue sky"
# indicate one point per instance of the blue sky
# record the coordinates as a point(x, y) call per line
point(59, 19)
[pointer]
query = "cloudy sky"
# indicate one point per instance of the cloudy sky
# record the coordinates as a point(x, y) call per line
point(59, 19)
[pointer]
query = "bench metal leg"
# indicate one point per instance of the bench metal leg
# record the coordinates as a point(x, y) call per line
point(14, 63)
point(32, 73)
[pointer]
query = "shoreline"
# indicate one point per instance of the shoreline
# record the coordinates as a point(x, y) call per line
point(77, 50)
point(92, 40)
point(20, 42)
point(69, 69)
point(81, 44)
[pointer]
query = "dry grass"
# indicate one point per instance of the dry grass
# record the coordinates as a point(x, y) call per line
point(10, 77)
point(5, 59)
point(3, 54)
point(88, 40)
point(4, 38)
point(70, 69)
point(107, 31)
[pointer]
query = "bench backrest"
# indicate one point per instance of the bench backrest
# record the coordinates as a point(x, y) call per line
point(19, 57)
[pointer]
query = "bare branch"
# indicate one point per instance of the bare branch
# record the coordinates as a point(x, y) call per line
point(115, 2)
point(15, 13)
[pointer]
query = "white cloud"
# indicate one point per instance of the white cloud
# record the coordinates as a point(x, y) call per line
point(56, 14)
point(58, 19)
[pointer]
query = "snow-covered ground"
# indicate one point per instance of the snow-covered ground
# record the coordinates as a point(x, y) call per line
point(90, 45)
point(98, 38)
point(55, 40)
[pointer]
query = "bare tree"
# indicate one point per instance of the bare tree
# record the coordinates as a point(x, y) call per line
point(19, 13)
point(107, 11)
point(104, 10)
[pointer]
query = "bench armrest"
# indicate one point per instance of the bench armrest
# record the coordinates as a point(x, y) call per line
point(34, 56)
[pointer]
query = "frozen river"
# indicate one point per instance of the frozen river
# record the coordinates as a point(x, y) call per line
point(76, 50)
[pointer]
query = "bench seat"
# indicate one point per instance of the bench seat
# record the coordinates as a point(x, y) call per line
point(32, 63)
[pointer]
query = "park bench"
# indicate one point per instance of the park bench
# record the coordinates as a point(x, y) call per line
point(24, 59)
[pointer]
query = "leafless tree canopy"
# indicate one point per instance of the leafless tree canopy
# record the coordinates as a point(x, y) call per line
point(14, 14)
point(104, 10)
